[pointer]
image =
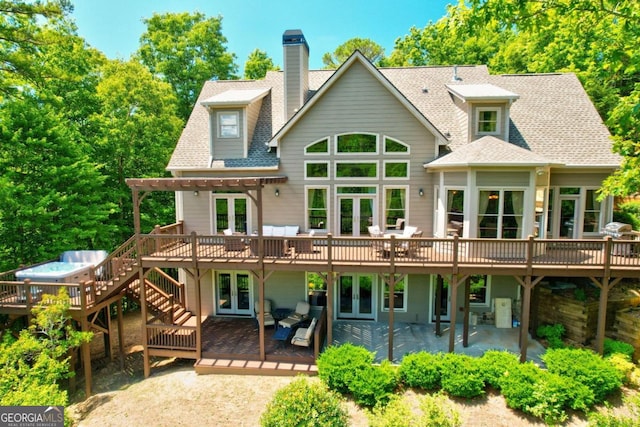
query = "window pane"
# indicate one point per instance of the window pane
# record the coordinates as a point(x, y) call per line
point(478, 285)
point(591, 213)
point(395, 204)
point(487, 121)
point(317, 170)
point(489, 206)
point(392, 146)
point(356, 190)
point(398, 296)
point(228, 125)
point(318, 147)
point(357, 143)
point(396, 170)
point(455, 212)
point(356, 170)
point(317, 209)
point(317, 289)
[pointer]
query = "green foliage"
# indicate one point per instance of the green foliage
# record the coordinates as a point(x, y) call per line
point(543, 394)
point(375, 384)
point(629, 213)
point(624, 365)
point(496, 365)
point(585, 367)
point(421, 370)
point(618, 347)
point(339, 365)
point(32, 366)
point(607, 418)
point(553, 334)
point(436, 410)
point(305, 403)
point(186, 49)
point(461, 375)
point(257, 65)
point(370, 49)
point(580, 295)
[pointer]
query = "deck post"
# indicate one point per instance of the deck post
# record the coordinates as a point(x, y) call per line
point(524, 322)
point(465, 325)
point(602, 315)
point(120, 334)
point(392, 289)
point(261, 334)
point(439, 285)
point(330, 281)
point(86, 352)
point(454, 309)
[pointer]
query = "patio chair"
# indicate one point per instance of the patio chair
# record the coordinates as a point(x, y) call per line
point(304, 336)
point(410, 247)
point(268, 317)
point(377, 238)
point(399, 225)
point(233, 243)
point(301, 313)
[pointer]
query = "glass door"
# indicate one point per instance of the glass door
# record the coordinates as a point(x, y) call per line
point(356, 296)
point(233, 293)
point(568, 217)
point(356, 215)
point(230, 211)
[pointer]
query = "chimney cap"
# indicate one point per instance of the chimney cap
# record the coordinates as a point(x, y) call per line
point(294, 37)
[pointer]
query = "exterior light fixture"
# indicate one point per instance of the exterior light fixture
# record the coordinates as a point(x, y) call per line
point(196, 193)
point(277, 193)
point(421, 192)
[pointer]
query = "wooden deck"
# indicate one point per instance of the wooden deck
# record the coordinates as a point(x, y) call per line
point(536, 257)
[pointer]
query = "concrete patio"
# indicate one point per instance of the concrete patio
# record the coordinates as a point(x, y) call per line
point(411, 337)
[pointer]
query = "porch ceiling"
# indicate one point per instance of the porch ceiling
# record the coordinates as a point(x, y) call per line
point(193, 184)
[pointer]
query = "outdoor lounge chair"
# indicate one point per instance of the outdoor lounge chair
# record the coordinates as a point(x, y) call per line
point(268, 317)
point(301, 313)
point(304, 336)
point(233, 243)
point(377, 241)
point(410, 248)
point(399, 225)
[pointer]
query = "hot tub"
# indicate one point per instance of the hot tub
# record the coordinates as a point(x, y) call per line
point(56, 272)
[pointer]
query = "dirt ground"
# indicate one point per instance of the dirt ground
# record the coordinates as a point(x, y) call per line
point(174, 395)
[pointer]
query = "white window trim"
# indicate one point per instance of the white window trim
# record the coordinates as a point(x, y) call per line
point(405, 297)
point(384, 146)
point(500, 214)
point(384, 200)
point(583, 209)
point(219, 123)
point(487, 302)
point(306, 206)
point(347, 178)
point(395, 178)
point(335, 146)
point(498, 120)
point(315, 178)
point(445, 216)
point(328, 138)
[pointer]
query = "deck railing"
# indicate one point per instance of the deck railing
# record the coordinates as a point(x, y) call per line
point(171, 337)
point(603, 253)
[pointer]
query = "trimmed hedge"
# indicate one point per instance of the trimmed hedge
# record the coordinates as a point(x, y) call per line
point(421, 370)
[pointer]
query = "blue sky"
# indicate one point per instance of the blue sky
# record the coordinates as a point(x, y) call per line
point(114, 26)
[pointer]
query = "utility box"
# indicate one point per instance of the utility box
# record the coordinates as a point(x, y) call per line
point(503, 312)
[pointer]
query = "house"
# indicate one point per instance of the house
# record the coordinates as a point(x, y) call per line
point(481, 182)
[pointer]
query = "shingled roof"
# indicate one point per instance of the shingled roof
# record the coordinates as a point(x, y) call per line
point(552, 117)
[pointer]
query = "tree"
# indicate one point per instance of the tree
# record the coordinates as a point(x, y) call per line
point(22, 38)
point(32, 367)
point(52, 196)
point(370, 49)
point(137, 127)
point(186, 50)
point(257, 65)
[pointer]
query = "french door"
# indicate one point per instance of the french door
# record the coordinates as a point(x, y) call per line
point(357, 212)
point(233, 293)
point(568, 217)
point(230, 211)
point(356, 296)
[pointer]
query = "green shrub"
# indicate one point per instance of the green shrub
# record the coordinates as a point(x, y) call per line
point(305, 403)
point(585, 367)
point(543, 394)
point(629, 213)
point(618, 347)
point(374, 385)
point(623, 365)
point(607, 418)
point(421, 370)
point(338, 366)
point(461, 375)
point(438, 411)
point(553, 334)
point(495, 365)
point(397, 413)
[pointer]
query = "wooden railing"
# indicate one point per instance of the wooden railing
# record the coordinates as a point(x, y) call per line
point(602, 253)
point(171, 337)
point(167, 285)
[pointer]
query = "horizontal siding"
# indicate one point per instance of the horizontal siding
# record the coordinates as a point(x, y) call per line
point(197, 212)
point(357, 103)
point(228, 148)
point(577, 179)
point(503, 179)
point(253, 111)
point(455, 178)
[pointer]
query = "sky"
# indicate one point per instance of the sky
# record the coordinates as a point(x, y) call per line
point(115, 26)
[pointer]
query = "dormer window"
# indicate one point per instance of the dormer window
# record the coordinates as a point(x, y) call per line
point(228, 124)
point(488, 121)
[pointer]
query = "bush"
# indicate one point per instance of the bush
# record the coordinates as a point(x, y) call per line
point(618, 347)
point(374, 385)
point(623, 365)
point(553, 334)
point(608, 419)
point(421, 370)
point(495, 365)
point(461, 375)
point(543, 394)
point(585, 367)
point(305, 403)
point(629, 213)
point(338, 366)
point(437, 411)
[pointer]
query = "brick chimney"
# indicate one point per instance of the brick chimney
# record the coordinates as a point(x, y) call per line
point(296, 71)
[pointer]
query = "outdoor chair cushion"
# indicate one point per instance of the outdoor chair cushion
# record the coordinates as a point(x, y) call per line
point(304, 336)
point(301, 313)
point(268, 317)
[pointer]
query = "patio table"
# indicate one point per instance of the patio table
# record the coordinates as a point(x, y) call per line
point(282, 335)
